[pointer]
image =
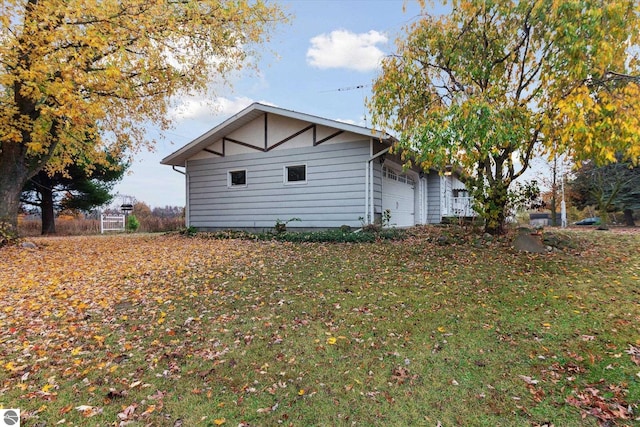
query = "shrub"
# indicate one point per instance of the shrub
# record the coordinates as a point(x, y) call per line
point(188, 231)
point(325, 236)
point(335, 236)
point(281, 226)
point(132, 223)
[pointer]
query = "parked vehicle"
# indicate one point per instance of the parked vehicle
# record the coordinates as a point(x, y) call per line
point(589, 221)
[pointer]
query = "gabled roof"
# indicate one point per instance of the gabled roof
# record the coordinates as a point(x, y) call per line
point(252, 112)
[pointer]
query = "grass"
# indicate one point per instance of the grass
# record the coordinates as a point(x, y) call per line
point(442, 327)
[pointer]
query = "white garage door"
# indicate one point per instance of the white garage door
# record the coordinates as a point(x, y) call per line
point(398, 197)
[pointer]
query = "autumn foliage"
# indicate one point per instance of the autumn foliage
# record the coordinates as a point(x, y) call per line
point(487, 86)
point(84, 79)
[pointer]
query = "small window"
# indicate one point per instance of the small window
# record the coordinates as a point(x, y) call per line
point(237, 178)
point(390, 173)
point(296, 174)
point(457, 192)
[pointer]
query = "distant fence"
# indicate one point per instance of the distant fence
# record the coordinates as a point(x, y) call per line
point(112, 223)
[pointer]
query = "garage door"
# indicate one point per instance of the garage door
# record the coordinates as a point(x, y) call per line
point(398, 197)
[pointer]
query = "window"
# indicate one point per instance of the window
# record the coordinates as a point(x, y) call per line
point(388, 173)
point(460, 192)
point(237, 178)
point(295, 174)
point(392, 175)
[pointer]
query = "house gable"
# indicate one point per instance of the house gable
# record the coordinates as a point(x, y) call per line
point(274, 132)
point(263, 128)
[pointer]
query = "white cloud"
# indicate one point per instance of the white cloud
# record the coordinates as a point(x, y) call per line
point(200, 109)
point(344, 49)
point(228, 107)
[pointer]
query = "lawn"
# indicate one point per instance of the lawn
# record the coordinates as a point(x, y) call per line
point(441, 329)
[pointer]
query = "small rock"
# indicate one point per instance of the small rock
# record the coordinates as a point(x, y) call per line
point(443, 240)
point(529, 243)
point(28, 245)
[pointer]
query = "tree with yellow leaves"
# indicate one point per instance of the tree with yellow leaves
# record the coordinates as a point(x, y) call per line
point(85, 76)
point(484, 87)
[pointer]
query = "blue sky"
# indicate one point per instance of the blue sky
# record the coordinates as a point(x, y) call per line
point(313, 65)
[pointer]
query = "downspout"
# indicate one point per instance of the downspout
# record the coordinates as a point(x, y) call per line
point(369, 201)
point(186, 208)
point(366, 193)
point(372, 206)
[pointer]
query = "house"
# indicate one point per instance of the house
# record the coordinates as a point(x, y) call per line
point(268, 164)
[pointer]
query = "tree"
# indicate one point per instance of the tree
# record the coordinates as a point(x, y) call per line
point(168, 212)
point(80, 188)
point(611, 187)
point(142, 210)
point(76, 75)
point(485, 86)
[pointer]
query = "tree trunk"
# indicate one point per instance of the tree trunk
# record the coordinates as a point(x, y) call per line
point(495, 206)
point(604, 216)
point(46, 204)
point(48, 215)
point(628, 218)
point(12, 179)
point(10, 206)
point(495, 227)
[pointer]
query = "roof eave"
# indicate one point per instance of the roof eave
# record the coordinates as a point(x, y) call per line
point(180, 156)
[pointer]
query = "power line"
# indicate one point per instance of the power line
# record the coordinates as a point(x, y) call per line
point(344, 89)
point(348, 88)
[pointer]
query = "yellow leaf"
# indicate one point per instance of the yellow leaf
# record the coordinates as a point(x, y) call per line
point(219, 421)
point(331, 340)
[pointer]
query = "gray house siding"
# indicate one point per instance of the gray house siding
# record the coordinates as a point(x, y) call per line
point(434, 215)
point(333, 195)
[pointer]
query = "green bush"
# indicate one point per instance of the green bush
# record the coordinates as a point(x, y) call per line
point(333, 236)
point(326, 236)
point(188, 231)
point(132, 223)
point(281, 226)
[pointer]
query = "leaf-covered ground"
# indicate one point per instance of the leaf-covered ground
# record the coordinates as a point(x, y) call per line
point(169, 330)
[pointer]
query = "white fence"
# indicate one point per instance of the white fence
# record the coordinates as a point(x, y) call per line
point(112, 223)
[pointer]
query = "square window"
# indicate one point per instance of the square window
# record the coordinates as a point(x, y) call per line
point(295, 174)
point(237, 178)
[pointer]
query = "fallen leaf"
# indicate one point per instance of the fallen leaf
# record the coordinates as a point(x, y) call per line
point(528, 380)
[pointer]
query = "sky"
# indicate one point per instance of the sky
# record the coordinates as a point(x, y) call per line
point(322, 63)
